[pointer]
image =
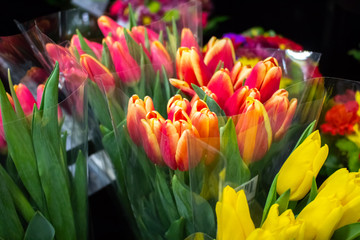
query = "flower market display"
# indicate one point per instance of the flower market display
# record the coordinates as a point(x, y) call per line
point(197, 142)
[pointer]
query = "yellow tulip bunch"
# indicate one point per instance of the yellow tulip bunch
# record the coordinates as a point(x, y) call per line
point(337, 203)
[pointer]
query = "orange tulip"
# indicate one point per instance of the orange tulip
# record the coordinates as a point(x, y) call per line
point(239, 73)
point(174, 141)
point(265, 76)
point(236, 103)
point(280, 112)
point(221, 50)
point(175, 103)
point(98, 72)
point(220, 84)
point(253, 131)
point(137, 110)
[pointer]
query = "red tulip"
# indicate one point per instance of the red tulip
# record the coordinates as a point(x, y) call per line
point(265, 76)
point(239, 74)
point(253, 131)
point(174, 141)
point(137, 110)
point(175, 103)
point(280, 112)
point(98, 72)
point(160, 57)
point(222, 50)
point(220, 84)
point(188, 40)
point(236, 103)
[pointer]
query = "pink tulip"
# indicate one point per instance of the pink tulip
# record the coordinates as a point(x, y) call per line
point(160, 57)
point(107, 25)
point(220, 84)
point(39, 94)
point(26, 98)
point(94, 46)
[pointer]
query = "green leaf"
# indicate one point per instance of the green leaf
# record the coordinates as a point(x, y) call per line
point(53, 180)
point(220, 66)
point(106, 59)
point(306, 133)
point(158, 97)
point(348, 232)
point(80, 197)
point(39, 228)
point(309, 197)
point(166, 83)
point(10, 227)
point(147, 42)
point(20, 201)
point(176, 230)
point(237, 172)
point(18, 108)
point(283, 201)
point(270, 200)
point(199, 236)
point(352, 151)
point(21, 150)
point(98, 104)
point(161, 36)
point(313, 191)
point(84, 46)
point(132, 19)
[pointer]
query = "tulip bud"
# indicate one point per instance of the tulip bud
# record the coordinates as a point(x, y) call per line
point(321, 217)
point(281, 112)
point(206, 123)
point(94, 46)
point(188, 40)
point(253, 131)
point(236, 103)
point(98, 73)
point(137, 110)
point(107, 25)
point(220, 84)
point(138, 33)
point(175, 103)
point(265, 76)
point(174, 141)
point(233, 215)
point(345, 186)
point(150, 131)
point(239, 74)
point(222, 50)
point(302, 165)
point(160, 57)
point(26, 98)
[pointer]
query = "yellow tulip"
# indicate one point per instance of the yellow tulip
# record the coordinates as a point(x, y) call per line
point(262, 234)
point(233, 216)
point(345, 186)
point(303, 164)
point(321, 217)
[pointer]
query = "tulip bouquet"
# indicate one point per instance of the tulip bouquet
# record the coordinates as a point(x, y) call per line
point(43, 185)
point(295, 207)
point(339, 125)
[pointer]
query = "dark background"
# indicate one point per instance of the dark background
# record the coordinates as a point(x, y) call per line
point(331, 27)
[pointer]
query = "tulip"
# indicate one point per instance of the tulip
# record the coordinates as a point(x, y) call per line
point(26, 98)
point(345, 186)
point(222, 50)
point(138, 33)
point(137, 110)
point(107, 25)
point(253, 131)
point(220, 84)
point(125, 65)
point(236, 103)
point(175, 103)
point(188, 40)
point(39, 94)
point(150, 131)
point(206, 123)
point(94, 46)
point(320, 217)
point(239, 73)
point(35, 74)
point(233, 216)
point(301, 167)
point(281, 112)
point(265, 76)
point(190, 69)
point(97, 72)
point(208, 92)
point(174, 141)
point(160, 57)
point(283, 226)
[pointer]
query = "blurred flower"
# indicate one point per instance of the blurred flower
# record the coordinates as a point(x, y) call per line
point(220, 84)
point(26, 98)
point(107, 25)
point(302, 165)
point(35, 74)
point(236, 39)
point(265, 76)
point(174, 141)
point(150, 131)
point(321, 217)
point(97, 72)
point(281, 112)
point(137, 110)
point(138, 33)
point(175, 103)
point(345, 186)
point(221, 50)
point(233, 216)
point(239, 74)
point(341, 118)
point(160, 57)
point(253, 131)
point(39, 94)
point(94, 46)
